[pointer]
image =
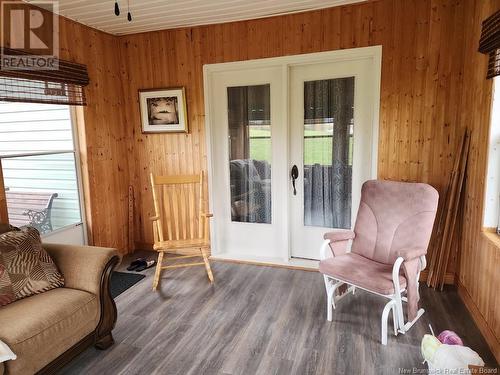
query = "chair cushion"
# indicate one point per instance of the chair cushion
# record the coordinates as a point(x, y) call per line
point(25, 267)
point(360, 271)
point(42, 327)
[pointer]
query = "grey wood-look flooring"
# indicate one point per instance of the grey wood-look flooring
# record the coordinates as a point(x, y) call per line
point(262, 320)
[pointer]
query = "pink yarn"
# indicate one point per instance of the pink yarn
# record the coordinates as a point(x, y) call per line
point(450, 338)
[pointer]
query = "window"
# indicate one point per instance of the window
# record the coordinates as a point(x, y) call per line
point(38, 156)
point(492, 202)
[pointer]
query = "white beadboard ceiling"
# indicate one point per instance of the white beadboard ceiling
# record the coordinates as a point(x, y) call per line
point(149, 15)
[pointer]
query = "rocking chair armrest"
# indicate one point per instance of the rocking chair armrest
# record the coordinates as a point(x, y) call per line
point(206, 214)
point(154, 218)
point(396, 271)
point(336, 243)
point(409, 254)
point(339, 235)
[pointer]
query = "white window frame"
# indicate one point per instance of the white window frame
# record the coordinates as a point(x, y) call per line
point(76, 153)
point(491, 210)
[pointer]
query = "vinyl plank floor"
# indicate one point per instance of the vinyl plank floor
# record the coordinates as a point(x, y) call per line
point(262, 320)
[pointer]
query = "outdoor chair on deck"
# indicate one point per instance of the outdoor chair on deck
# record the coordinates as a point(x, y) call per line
point(389, 243)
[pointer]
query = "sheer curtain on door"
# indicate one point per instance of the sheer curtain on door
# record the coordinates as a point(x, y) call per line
point(328, 130)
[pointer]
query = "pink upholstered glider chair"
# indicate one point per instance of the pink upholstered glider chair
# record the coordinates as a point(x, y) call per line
point(389, 243)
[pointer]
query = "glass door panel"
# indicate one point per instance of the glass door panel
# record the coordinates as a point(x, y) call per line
point(328, 149)
point(249, 129)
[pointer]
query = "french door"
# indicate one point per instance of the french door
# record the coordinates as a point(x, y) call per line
point(248, 168)
point(331, 145)
point(290, 144)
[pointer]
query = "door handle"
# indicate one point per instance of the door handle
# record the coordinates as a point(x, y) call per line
point(295, 175)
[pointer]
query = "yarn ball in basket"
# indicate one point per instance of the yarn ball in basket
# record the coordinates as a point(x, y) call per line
point(450, 338)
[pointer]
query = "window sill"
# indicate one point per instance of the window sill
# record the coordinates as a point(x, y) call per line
point(492, 236)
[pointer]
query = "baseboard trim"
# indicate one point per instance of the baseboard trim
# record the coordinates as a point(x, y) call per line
point(143, 246)
point(449, 278)
point(263, 263)
point(488, 334)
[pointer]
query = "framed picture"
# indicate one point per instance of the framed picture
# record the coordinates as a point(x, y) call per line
point(163, 110)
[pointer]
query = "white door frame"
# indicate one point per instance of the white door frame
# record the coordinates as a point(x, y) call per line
point(285, 63)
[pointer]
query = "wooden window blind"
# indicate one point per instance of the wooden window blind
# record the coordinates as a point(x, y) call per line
point(490, 43)
point(62, 86)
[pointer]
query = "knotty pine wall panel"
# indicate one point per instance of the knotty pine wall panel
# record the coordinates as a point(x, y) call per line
point(479, 267)
point(105, 131)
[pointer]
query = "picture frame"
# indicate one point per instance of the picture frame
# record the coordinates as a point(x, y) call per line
point(163, 110)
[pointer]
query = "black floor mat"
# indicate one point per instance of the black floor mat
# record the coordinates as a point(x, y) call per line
point(121, 281)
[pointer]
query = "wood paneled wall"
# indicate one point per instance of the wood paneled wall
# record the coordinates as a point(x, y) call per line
point(105, 142)
point(479, 268)
point(103, 135)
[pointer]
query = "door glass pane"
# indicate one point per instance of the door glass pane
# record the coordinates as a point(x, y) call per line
point(250, 153)
point(328, 147)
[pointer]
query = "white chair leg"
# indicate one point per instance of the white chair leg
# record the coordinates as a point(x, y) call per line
point(331, 287)
point(329, 306)
point(330, 302)
point(385, 317)
point(394, 320)
point(399, 313)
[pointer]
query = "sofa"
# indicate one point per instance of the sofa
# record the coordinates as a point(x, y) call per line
point(47, 330)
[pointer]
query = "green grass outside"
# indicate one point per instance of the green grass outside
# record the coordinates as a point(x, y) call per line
point(316, 150)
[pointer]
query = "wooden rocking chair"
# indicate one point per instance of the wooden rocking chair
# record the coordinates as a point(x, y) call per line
point(180, 222)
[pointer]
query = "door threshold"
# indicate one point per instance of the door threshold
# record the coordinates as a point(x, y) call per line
point(298, 264)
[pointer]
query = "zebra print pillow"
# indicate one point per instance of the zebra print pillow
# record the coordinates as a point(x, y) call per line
point(25, 267)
